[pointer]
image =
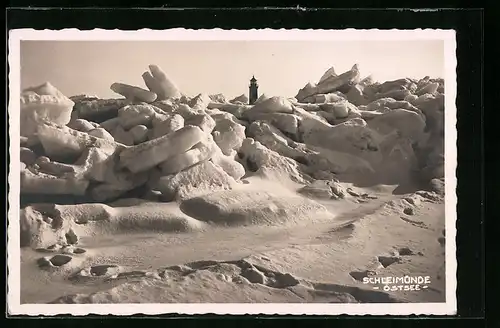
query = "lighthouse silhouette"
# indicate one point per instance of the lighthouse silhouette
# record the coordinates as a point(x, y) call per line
point(253, 91)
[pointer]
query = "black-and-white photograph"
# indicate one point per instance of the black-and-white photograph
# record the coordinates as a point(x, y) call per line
point(237, 170)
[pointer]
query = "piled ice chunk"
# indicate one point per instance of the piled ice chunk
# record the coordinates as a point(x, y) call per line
point(162, 141)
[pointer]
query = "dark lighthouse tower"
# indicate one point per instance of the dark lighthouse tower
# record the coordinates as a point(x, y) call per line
point(253, 91)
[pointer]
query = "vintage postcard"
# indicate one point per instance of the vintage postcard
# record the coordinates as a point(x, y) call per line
point(232, 172)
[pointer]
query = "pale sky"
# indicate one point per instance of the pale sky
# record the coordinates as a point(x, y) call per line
point(281, 67)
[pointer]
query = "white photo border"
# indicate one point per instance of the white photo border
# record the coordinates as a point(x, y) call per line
point(13, 250)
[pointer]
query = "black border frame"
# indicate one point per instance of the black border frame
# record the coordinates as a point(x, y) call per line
point(468, 24)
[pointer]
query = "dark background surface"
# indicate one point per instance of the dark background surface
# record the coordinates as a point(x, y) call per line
point(468, 24)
